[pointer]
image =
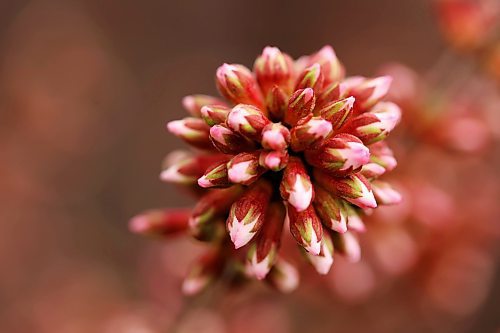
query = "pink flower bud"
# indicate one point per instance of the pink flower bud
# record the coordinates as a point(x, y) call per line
point(342, 154)
point(247, 213)
point(348, 245)
point(215, 176)
point(263, 253)
point(382, 155)
point(237, 84)
point(331, 93)
point(274, 160)
point(372, 170)
point(337, 112)
point(296, 187)
point(194, 103)
point(229, 142)
point(353, 188)
point(275, 136)
point(375, 125)
point(323, 261)
point(330, 210)
point(273, 68)
point(186, 169)
point(202, 273)
point(244, 168)
point(306, 228)
point(160, 222)
point(247, 120)
point(308, 132)
point(332, 69)
point(354, 221)
point(277, 103)
point(312, 78)
point(385, 193)
point(192, 130)
point(283, 276)
point(301, 104)
point(368, 91)
point(214, 114)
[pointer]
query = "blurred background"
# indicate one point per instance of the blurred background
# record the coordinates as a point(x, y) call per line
point(86, 88)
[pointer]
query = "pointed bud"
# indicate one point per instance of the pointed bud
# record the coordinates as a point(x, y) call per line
point(372, 170)
point(338, 112)
point(330, 210)
point(160, 222)
point(202, 273)
point(332, 93)
point(348, 245)
point(375, 125)
point(296, 186)
point(385, 193)
point(301, 104)
point(283, 276)
point(312, 78)
point(324, 260)
point(383, 156)
point(192, 130)
point(273, 68)
point(213, 232)
point(229, 142)
point(354, 221)
point(340, 155)
point(332, 69)
point(244, 168)
point(214, 114)
point(273, 160)
point(247, 213)
point(306, 228)
point(247, 120)
point(215, 176)
point(353, 188)
point(275, 137)
point(237, 84)
point(308, 132)
point(211, 205)
point(262, 254)
point(186, 169)
point(368, 91)
point(277, 103)
point(194, 103)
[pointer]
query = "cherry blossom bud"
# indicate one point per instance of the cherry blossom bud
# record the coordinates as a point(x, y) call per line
point(353, 188)
point(337, 112)
point(273, 160)
point(368, 91)
point(202, 273)
point(192, 130)
point(275, 136)
point(308, 132)
point(194, 103)
point(348, 245)
point(247, 120)
point(186, 169)
point(277, 103)
point(283, 276)
point(342, 154)
point(332, 69)
point(229, 142)
point(247, 213)
point(324, 260)
point(263, 252)
point(385, 193)
point(375, 125)
point(214, 114)
point(215, 176)
point(330, 210)
point(160, 222)
point(301, 104)
point(354, 221)
point(273, 68)
point(244, 168)
point(237, 84)
point(306, 228)
point(312, 78)
point(296, 187)
point(211, 205)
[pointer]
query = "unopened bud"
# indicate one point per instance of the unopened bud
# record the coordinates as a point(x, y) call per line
point(237, 84)
point(275, 137)
point(300, 104)
point(202, 273)
point(323, 261)
point(273, 68)
point(247, 120)
point(229, 142)
point(215, 176)
point(385, 193)
point(194, 103)
point(312, 78)
point(308, 132)
point(348, 245)
point(244, 168)
point(192, 130)
point(338, 112)
point(214, 114)
point(277, 103)
point(283, 276)
point(330, 210)
point(273, 160)
point(306, 228)
point(368, 91)
point(160, 222)
point(296, 187)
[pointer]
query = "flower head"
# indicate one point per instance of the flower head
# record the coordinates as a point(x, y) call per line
point(297, 145)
